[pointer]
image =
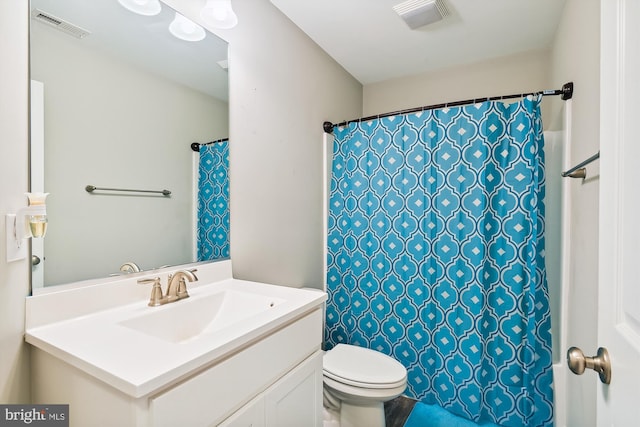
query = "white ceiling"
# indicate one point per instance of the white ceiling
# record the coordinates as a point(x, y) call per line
point(374, 44)
point(145, 41)
point(365, 36)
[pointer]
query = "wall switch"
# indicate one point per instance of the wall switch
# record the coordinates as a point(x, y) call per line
point(16, 250)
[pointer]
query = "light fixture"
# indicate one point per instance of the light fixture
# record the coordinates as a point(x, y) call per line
point(185, 29)
point(219, 14)
point(418, 13)
point(142, 7)
point(30, 221)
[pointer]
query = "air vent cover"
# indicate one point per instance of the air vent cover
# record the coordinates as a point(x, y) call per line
point(59, 23)
point(418, 13)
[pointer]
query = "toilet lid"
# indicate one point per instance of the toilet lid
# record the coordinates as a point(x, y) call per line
point(353, 364)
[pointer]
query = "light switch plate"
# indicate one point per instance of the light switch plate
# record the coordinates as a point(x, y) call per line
point(16, 250)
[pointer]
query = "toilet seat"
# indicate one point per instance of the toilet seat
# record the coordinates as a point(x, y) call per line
point(363, 368)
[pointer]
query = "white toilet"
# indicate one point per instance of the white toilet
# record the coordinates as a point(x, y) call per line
point(357, 382)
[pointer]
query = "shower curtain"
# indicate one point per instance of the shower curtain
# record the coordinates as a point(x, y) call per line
point(436, 256)
point(213, 201)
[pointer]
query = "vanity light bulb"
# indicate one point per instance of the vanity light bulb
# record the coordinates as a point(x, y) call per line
point(219, 14)
point(142, 7)
point(185, 29)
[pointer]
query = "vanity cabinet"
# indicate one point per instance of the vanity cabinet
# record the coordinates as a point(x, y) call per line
point(293, 401)
point(275, 380)
point(250, 415)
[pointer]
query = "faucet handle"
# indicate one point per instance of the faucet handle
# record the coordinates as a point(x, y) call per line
point(182, 284)
point(156, 291)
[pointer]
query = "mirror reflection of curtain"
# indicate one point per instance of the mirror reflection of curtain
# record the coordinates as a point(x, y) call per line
point(436, 256)
point(213, 201)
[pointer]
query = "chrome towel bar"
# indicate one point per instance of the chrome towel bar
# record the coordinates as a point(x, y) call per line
point(578, 171)
point(92, 188)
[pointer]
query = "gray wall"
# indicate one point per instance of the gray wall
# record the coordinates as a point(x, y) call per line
point(523, 72)
point(282, 87)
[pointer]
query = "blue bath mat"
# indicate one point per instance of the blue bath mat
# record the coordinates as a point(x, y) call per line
point(423, 415)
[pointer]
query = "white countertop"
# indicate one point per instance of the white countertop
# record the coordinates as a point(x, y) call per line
point(139, 364)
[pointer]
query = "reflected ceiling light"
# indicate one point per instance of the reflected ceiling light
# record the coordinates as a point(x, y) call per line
point(142, 7)
point(186, 29)
point(219, 14)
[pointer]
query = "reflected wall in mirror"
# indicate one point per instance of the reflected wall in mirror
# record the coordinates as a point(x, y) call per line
point(121, 107)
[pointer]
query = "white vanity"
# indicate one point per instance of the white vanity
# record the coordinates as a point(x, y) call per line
point(235, 353)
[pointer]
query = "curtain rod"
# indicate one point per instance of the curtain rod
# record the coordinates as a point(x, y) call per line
point(195, 146)
point(566, 92)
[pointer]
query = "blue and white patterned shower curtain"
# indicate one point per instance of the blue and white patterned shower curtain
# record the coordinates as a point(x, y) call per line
point(213, 201)
point(436, 256)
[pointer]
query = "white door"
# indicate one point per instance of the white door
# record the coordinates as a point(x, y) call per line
point(619, 234)
point(37, 174)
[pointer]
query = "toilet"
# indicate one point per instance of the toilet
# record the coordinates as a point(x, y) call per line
point(357, 382)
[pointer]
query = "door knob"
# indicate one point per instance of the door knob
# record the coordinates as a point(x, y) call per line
point(601, 363)
point(35, 260)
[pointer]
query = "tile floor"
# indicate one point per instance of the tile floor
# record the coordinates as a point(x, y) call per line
point(396, 412)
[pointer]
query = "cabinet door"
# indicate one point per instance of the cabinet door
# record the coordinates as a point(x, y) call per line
point(237, 379)
point(250, 415)
point(296, 400)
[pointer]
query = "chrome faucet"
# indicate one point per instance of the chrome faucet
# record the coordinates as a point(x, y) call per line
point(176, 287)
point(129, 267)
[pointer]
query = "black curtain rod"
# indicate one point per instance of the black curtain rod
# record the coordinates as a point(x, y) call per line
point(566, 92)
point(195, 146)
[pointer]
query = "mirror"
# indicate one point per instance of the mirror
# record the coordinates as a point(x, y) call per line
point(122, 106)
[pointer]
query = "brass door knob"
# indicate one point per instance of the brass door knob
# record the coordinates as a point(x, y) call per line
point(601, 363)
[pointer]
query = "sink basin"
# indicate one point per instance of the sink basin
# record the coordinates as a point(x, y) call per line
point(187, 319)
point(108, 331)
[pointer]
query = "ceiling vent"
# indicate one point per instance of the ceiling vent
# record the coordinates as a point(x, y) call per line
point(418, 13)
point(59, 23)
